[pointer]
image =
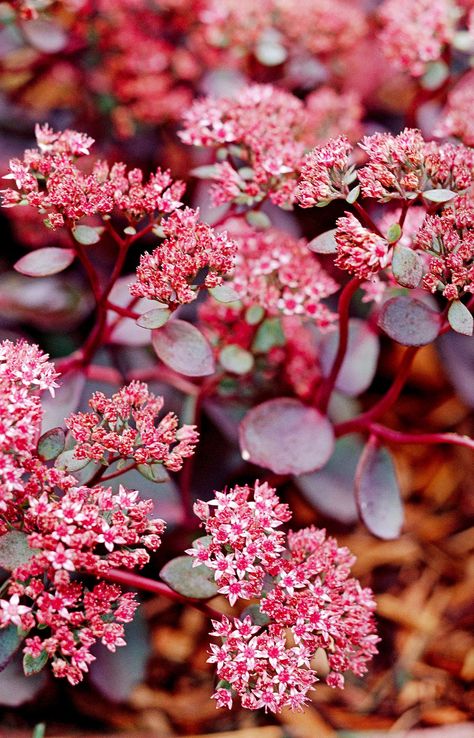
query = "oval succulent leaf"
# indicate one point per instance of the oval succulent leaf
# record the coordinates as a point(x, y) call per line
point(409, 321)
point(407, 267)
point(14, 549)
point(378, 493)
point(325, 243)
point(460, 318)
point(195, 582)
point(182, 347)
point(51, 444)
point(44, 262)
point(153, 318)
point(286, 436)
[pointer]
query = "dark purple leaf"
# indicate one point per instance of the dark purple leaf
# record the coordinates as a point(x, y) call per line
point(378, 493)
point(331, 489)
point(192, 581)
point(14, 549)
point(44, 262)
point(409, 321)
point(457, 353)
point(360, 363)
point(182, 347)
point(286, 436)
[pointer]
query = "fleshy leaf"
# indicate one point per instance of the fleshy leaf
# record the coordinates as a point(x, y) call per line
point(153, 472)
point(286, 436)
point(325, 243)
point(409, 321)
point(268, 336)
point(44, 262)
point(331, 489)
point(87, 235)
point(65, 401)
point(195, 582)
point(182, 347)
point(407, 268)
point(68, 462)
point(394, 233)
point(460, 318)
point(360, 363)
point(258, 220)
point(14, 549)
point(224, 293)
point(439, 195)
point(45, 35)
point(378, 493)
point(34, 665)
point(153, 318)
point(9, 644)
point(51, 444)
point(236, 359)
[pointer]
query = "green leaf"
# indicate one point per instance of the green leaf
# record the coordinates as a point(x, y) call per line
point(224, 293)
point(86, 235)
point(394, 233)
point(258, 220)
point(154, 318)
point(195, 582)
point(51, 444)
point(14, 550)
point(436, 73)
point(460, 318)
point(34, 665)
point(256, 615)
point(439, 195)
point(353, 195)
point(153, 472)
point(208, 171)
point(9, 644)
point(325, 243)
point(236, 359)
point(254, 314)
point(39, 730)
point(68, 462)
point(268, 336)
point(407, 267)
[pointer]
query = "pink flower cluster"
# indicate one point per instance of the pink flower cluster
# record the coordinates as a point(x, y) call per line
point(326, 173)
point(169, 273)
point(330, 114)
point(307, 601)
point(71, 530)
point(49, 180)
point(416, 32)
point(448, 239)
point(24, 373)
point(278, 272)
point(404, 166)
point(260, 133)
point(360, 251)
point(126, 426)
point(458, 116)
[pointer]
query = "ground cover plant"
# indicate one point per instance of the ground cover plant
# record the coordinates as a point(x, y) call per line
point(237, 315)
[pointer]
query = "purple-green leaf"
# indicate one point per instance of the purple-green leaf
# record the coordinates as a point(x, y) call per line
point(286, 436)
point(44, 262)
point(460, 318)
point(51, 444)
point(182, 347)
point(154, 318)
point(360, 363)
point(409, 321)
point(378, 493)
point(196, 582)
point(407, 268)
point(325, 243)
point(9, 644)
point(14, 550)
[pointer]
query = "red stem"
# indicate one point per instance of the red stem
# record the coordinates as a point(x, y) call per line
point(367, 219)
point(389, 434)
point(135, 581)
point(386, 402)
point(327, 386)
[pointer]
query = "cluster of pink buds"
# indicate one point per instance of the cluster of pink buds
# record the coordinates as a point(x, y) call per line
point(126, 426)
point(258, 135)
point(49, 180)
point(307, 601)
point(24, 373)
point(326, 173)
point(278, 272)
point(359, 250)
point(75, 530)
point(169, 273)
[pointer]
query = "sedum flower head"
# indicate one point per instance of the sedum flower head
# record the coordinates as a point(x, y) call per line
point(307, 601)
point(127, 426)
point(325, 173)
point(360, 251)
